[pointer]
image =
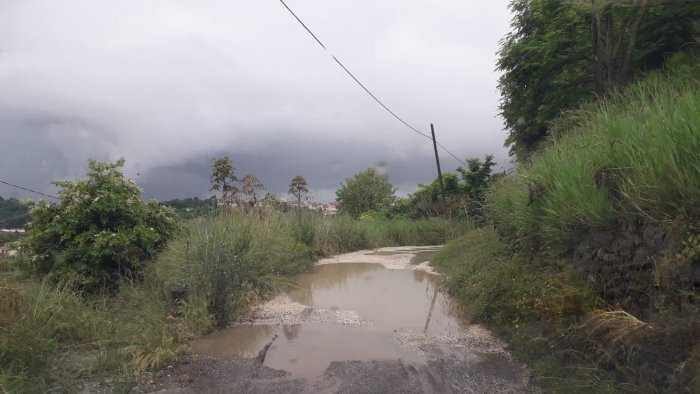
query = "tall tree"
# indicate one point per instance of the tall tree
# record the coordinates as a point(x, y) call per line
point(223, 179)
point(561, 54)
point(299, 189)
point(366, 191)
point(251, 187)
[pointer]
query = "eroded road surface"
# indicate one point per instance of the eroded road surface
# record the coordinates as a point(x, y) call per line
point(364, 322)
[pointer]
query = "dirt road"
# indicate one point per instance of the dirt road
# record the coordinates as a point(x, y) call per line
point(364, 322)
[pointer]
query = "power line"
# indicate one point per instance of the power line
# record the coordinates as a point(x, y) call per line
point(29, 190)
point(362, 85)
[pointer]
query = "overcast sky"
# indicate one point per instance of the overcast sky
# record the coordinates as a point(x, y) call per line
point(170, 84)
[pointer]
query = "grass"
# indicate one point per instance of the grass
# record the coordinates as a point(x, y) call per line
point(624, 163)
point(545, 310)
point(229, 262)
point(632, 157)
point(52, 337)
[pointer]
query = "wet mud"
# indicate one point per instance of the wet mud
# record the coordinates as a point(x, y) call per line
point(380, 326)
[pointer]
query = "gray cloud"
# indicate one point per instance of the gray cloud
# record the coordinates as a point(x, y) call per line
point(170, 84)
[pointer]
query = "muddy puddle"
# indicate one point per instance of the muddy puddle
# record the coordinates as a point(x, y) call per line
point(351, 311)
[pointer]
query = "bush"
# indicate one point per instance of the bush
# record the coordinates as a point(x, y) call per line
point(100, 232)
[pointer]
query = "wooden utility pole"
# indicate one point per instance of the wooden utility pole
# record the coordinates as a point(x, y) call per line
point(437, 160)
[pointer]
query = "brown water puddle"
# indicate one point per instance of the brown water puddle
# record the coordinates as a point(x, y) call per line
point(389, 300)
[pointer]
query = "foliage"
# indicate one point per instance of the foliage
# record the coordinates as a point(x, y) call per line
point(633, 156)
point(535, 305)
point(44, 325)
point(299, 189)
point(189, 208)
point(13, 213)
point(251, 187)
point(366, 191)
point(559, 53)
point(464, 197)
point(223, 179)
point(230, 261)
point(101, 231)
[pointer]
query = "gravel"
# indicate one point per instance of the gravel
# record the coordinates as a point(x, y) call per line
point(391, 258)
point(282, 310)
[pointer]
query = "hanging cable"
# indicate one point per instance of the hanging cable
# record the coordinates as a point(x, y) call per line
point(29, 190)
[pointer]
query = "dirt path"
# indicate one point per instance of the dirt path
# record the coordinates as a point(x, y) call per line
point(364, 322)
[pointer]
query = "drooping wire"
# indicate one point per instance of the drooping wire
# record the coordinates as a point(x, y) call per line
point(29, 190)
point(351, 74)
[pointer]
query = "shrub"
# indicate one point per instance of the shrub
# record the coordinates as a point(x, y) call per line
point(100, 231)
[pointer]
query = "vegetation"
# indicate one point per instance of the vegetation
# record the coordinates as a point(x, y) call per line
point(561, 54)
point(190, 208)
point(52, 335)
point(463, 197)
point(632, 157)
point(229, 261)
point(100, 232)
point(252, 188)
point(13, 213)
point(299, 189)
point(223, 180)
point(589, 269)
point(366, 191)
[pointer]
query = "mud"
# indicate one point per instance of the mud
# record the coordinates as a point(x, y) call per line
point(364, 322)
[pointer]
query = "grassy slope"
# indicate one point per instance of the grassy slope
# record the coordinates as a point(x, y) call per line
point(52, 338)
point(633, 158)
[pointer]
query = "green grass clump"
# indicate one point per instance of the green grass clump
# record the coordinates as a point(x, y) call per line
point(633, 156)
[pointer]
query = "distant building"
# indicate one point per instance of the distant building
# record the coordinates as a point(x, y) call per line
point(13, 230)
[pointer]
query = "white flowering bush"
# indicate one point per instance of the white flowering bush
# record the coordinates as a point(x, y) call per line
point(100, 231)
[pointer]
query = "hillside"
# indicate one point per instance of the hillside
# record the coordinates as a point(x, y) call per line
point(591, 268)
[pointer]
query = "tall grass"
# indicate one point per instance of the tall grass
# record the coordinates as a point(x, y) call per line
point(633, 156)
point(225, 263)
point(50, 335)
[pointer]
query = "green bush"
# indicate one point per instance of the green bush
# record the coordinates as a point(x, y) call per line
point(100, 231)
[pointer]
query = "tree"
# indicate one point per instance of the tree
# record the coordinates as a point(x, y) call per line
point(366, 191)
point(101, 230)
point(545, 61)
point(299, 189)
point(13, 213)
point(476, 179)
point(252, 187)
point(561, 54)
point(223, 179)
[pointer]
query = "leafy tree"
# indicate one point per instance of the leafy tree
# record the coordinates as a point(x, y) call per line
point(252, 187)
point(545, 61)
point(299, 189)
point(366, 191)
point(476, 179)
point(101, 231)
point(561, 54)
point(13, 213)
point(223, 179)
point(465, 194)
